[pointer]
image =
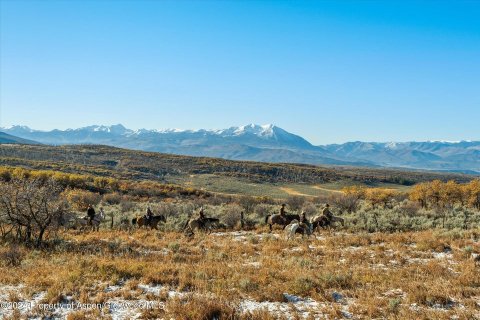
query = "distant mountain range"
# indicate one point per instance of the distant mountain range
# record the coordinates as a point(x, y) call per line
point(269, 143)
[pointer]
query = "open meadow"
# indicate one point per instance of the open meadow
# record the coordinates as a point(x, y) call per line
point(246, 275)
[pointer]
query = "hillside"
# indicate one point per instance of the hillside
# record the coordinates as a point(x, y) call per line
point(9, 139)
point(140, 165)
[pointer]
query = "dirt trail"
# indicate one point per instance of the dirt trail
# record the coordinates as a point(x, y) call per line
point(328, 190)
point(293, 192)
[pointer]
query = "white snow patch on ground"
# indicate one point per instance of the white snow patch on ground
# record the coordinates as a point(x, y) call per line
point(303, 307)
point(442, 255)
point(294, 249)
point(352, 248)
point(113, 288)
point(244, 236)
point(394, 293)
point(163, 252)
point(418, 260)
point(254, 264)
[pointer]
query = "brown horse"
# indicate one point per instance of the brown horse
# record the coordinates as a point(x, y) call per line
point(200, 224)
point(153, 224)
point(283, 220)
point(320, 222)
point(323, 221)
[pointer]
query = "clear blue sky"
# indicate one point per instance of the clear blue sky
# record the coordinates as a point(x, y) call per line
point(329, 71)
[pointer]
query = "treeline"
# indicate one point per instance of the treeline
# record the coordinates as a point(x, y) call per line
point(438, 194)
point(429, 195)
point(102, 185)
point(140, 165)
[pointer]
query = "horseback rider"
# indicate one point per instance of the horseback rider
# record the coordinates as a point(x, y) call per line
point(326, 212)
point(282, 209)
point(90, 214)
point(304, 223)
point(148, 215)
point(201, 216)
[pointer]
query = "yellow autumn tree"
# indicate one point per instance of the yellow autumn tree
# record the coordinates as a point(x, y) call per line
point(472, 193)
point(356, 191)
point(419, 193)
point(379, 196)
point(450, 193)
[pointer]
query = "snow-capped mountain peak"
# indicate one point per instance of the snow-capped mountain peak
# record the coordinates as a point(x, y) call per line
point(18, 128)
point(115, 129)
point(259, 130)
point(266, 143)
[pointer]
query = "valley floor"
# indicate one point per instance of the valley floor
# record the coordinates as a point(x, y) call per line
point(245, 275)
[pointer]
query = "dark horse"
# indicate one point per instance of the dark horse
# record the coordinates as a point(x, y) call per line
point(142, 221)
point(321, 222)
point(324, 222)
point(283, 220)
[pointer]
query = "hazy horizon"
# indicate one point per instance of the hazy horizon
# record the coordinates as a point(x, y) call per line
point(328, 71)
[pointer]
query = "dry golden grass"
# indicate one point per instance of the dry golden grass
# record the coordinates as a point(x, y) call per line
point(420, 275)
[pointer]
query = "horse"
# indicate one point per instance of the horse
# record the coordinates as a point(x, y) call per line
point(153, 224)
point(283, 220)
point(324, 221)
point(198, 223)
point(84, 221)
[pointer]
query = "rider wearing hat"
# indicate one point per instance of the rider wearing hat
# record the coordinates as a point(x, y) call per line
point(148, 215)
point(90, 214)
point(326, 212)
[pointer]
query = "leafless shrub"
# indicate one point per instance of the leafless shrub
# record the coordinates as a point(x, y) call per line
point(31, 206)
point(247, 202)
point(261, 210)
point(345, 202)
point(231, 215)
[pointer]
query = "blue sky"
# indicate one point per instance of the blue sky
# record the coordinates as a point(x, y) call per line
point(329, 71)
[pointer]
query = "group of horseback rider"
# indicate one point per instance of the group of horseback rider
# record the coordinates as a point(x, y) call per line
point(304, 223)
point(201, 215)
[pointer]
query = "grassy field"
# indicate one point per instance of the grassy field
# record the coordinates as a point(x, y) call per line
point(231, 185)
point(247, 275)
